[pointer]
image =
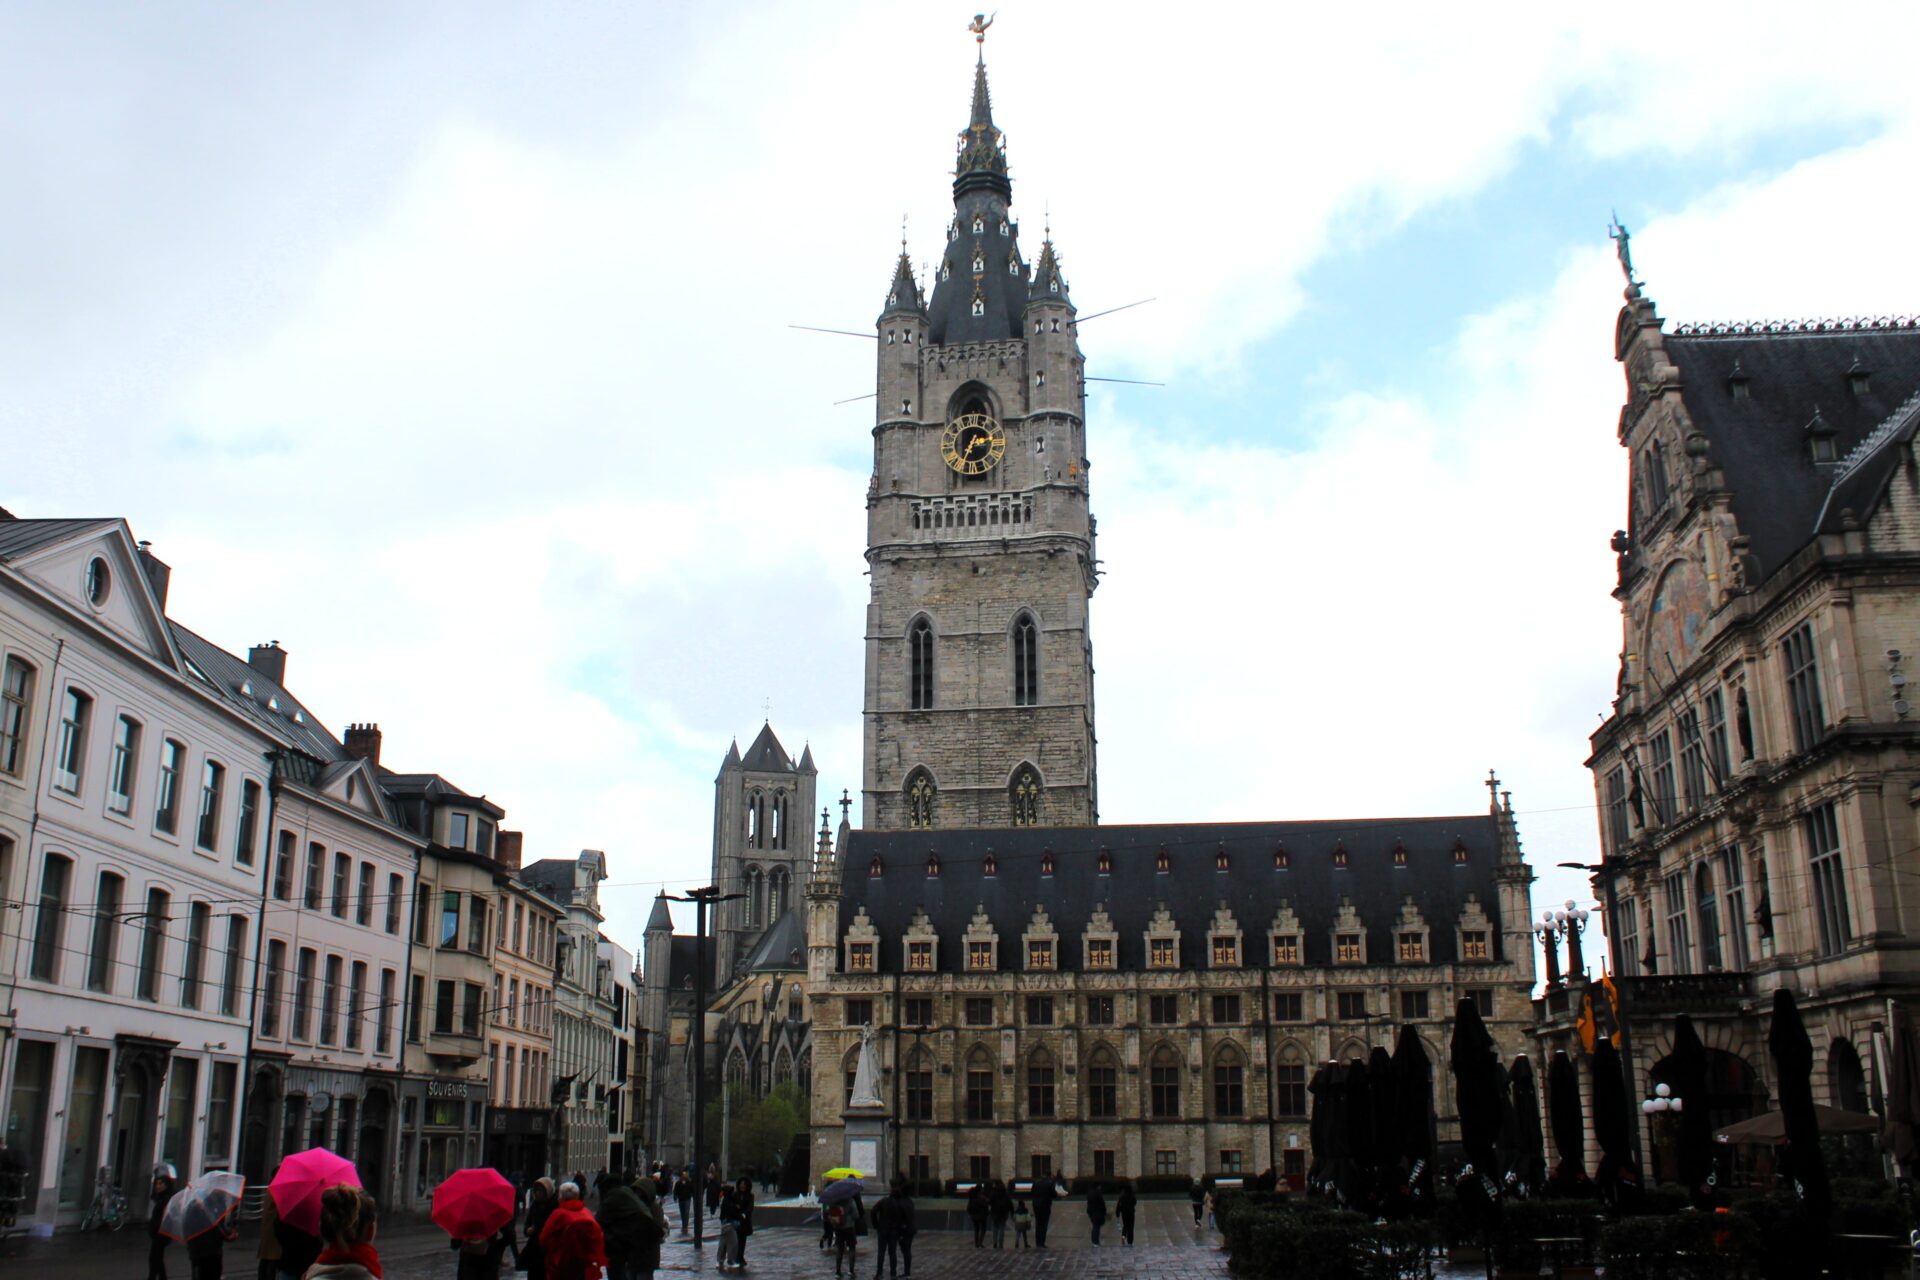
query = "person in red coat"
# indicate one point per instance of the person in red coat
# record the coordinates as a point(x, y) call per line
point(571, 1240)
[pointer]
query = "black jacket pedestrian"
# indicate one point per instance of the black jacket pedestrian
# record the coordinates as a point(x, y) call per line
point(1096, 1207)
point(298, 1248)
point(893, 1216)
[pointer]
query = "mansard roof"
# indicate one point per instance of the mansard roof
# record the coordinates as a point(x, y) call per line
point(1191, 888)
point(266, 700)
point(1791, 374)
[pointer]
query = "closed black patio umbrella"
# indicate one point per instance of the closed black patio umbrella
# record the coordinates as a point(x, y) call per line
point(1900, 1137)
point(1528, 1172)
point(1413, 1126)
point(1354, 1175)
point(1327, 1127)
point(1793, 1069)
point(1688, 1079)
point(1569, 1126)
point(1477, 1090)
point(1617, 1179)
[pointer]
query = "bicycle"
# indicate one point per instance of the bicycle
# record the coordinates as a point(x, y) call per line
point(109, 1208)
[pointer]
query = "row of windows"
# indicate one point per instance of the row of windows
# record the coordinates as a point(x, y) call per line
point(514, 1002)
point(337, 978)
point(768, 821)
point(1690, 761)
point(451, 903)
point(529, 934)
point(920, 784)
point(768, 894)
point(72, 744)
point(1163, 1010)
point(1023, 642)
point(201, 985)
point(1163, 951)
point(532, 1078)
point(1106, 1164)
point(342, 898)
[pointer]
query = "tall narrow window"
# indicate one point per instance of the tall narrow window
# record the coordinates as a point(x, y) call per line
point(75, 711)
point(283, 868)
point(383, 1029)
point(363, 906)
point(1229, 1085)
point(16, 693)
point(1803, 686)
point(342, 880)
point(1717, 758)
point(1679, 932)
point(106, 932)
point(1617, 809)
point(166, 800)
point(920, 664)
point(980, 1089)
point(1626, 945)
point(1103, 1087)
point(1693, 759)
point(1026, 662)
point(270, 993)
point(1164, 1085)
point(50, 920)
point(246, 834)
point(1660, 747)
point(199, 921)
point(153, 945)
point(316, 855)
point(396, 892)
point(1706, 910)
point(356, 1003)
point(213, 777)
point(303, 994)
point(1026, 798)
point(1040, 1087)
point(920, 800)
point(1829, 880)
point(330, 1001)
point(1739, 956)
point(123, 766)
point(235, 959)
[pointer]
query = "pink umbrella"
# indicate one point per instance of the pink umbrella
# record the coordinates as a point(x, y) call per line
point(302, 1177)
point(472, 1204)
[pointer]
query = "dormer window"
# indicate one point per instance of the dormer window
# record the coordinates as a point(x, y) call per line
point(1340, 855)
point(1053, 286)
point(457, 830)
point(1046, 863)
point(1161, 953)
point(1286, 948)
point(1459, 852)
point(1221, 862)
point(946, 271)
point(979, 305)
point(1347, 949)
point(860, 957)
point(1013, 265)
point(990, 866)
point(1280, 858)
point(875, 867)
point(1003, 226)
point(1399, 854)
point(933, 865)
point(1739, 385)
point(1104, 863)
point(1160, 862)
point(1859, 378)
point(979, 224)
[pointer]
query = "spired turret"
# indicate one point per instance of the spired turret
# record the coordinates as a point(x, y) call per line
point(981, 287)
point(903, 330)
point(1053, 352)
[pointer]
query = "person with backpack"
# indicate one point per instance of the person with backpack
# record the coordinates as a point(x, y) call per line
point(627, 1229)
point(848, 1219)
point(977, 1206)
point(893, 1225)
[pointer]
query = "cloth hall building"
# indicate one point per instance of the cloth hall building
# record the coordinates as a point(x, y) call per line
point(1047, 994)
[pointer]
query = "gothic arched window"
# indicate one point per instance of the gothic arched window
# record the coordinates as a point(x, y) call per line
point(780, 820)
point(1163, 1077)
point(1026, 661)
point(753, 821)
point(1025, 796)
point(979, 261)
point(753, 897)
point(979, 305)
point(920, 664)
point(920, 799)
point(777, 881)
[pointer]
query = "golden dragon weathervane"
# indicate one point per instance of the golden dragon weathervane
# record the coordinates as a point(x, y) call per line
point(979, 25)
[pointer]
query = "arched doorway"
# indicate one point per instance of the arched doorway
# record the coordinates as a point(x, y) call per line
point(1733, 1094)
point(1847, 1087)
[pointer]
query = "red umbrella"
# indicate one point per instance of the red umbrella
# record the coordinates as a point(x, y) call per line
point(302, 1177)
point(472, 1204)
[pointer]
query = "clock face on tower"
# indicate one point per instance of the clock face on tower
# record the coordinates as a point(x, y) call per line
point(973, 444)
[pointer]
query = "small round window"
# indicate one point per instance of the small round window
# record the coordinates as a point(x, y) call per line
point(99, 581)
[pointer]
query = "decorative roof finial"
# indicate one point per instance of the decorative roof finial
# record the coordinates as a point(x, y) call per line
point(846, 804)
point(903, 234)
point(1493, 789)
point(979, 25)
point(1617, 233)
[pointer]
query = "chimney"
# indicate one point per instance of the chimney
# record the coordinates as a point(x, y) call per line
point(362, 740)
point(506, 849)
point(270, 660)
point(158, 573)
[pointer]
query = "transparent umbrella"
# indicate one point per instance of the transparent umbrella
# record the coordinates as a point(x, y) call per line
point(202, 1205)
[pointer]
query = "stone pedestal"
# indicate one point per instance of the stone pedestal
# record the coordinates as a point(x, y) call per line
point(868, 1147)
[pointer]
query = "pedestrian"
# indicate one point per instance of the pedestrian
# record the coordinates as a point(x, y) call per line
point(1043, 1197)
point(893, 1227)
point(298, 1249)
point(1197, 1196)
point(480, 1259)
point(349, 1220)
point(163, 1189)
point(269, 1247)
point(626, 1228)
point(1022, 1223)
point(643, 1264)
point(1124, 1208)
point(683, 1196)
point(1096, 1212)
point(206, 1252)
point(533, 1255)
point(977, 1208)
point(849, 1221)
point(743, 1202)
point(999, 1209)
point(1208, 1204)
point(713, 1188)
point(728, 1254)
point(572, 1241)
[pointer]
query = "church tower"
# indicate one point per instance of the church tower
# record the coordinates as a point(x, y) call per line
point(979, 666)
point(762, 808)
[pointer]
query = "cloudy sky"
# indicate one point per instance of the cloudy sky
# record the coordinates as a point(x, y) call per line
point(449, 345)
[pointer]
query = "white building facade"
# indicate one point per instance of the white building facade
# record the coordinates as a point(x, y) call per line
point(583, 1055)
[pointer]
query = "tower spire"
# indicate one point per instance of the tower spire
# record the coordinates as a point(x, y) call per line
point(982, 165)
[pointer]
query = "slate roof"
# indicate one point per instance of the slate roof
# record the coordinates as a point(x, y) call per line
point(552, 874)
point(1780, 497)
point(662, 916)
point(782, 948)
point(766, 755)
point(1191, 889)
point(980, 185)
point(253, 691)
point(19, 537)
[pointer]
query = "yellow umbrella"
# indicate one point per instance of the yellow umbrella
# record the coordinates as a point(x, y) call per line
point(842, 1172)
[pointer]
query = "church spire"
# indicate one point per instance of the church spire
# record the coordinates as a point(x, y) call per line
point(982, 165)
point(903, 295)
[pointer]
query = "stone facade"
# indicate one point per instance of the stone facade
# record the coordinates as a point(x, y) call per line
point(762, 816)
point(1757, 775)
point(584, 1060)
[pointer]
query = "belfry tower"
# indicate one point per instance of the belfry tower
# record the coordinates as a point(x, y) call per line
point(979, 666)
